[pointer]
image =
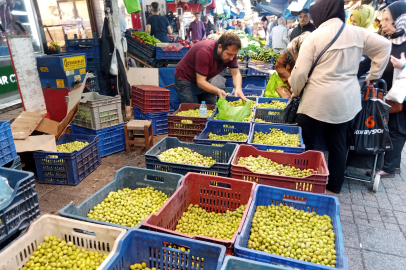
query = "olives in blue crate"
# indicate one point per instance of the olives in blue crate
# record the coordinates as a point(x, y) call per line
point(187, 156)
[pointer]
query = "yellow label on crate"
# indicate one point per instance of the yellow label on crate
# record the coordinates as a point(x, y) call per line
point(60, 83)
point(82, 71)
point(44, 69)
point(74, 62)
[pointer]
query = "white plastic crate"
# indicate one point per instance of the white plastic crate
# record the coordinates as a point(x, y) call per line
point(92, 237)
point(97, 111)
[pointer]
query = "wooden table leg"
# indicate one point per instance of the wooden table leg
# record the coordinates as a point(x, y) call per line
point(127, 139)
point(146, 137)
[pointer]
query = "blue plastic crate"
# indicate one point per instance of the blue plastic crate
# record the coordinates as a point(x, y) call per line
point(322, 204)
point(216, 111)
point(233, 98)
point(111, 139)
point(22, 208)
point(93, 64)
point(154, 249)
point(159, 120)
point(126, 177)
point(268, 100)
point(254, 72)
point(287, 129)
point(256, 80)
point(89, 46)
point(68, 168)
point(226, 72)
point(14, 164)
point(7, 148)
point(254, 86)
point(268, 115)
point(249, 92)
point(222, 128)
point(170, 55)
point(222, 154)
point(235, 263)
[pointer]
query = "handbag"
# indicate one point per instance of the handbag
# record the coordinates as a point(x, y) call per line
point(290, 112)
point(397, 94)
point(395, 107)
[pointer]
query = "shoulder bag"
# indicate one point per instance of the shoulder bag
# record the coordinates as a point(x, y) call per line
point(290, 112)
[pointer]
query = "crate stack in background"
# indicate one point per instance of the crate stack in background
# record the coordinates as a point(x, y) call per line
point(101, 115)
point(101, 83)
point(152, 103)
point(185, 128)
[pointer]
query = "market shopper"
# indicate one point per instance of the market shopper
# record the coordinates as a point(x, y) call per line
point(363, 16)
point(288, 58)
point(204, 61)
point(271, 25)
point(196, 30)
point(331, 97)
point(304, 24)
point(208, 25)
point(279, 36)
point(157, 25)
point(394, 25)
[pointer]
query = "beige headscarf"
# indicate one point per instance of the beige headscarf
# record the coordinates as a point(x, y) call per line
point(294, 46)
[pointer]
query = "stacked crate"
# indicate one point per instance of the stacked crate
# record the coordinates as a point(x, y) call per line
point(102, 116)
point(151, 102)
point(104, 84)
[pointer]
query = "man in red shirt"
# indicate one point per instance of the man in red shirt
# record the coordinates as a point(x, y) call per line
point(204, 61)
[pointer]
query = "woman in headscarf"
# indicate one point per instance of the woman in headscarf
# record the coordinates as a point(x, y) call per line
point(331, 97)
point(288, 58)
point(394, 26)
point(363, 16)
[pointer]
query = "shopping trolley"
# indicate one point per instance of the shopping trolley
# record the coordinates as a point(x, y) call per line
point(368, 160)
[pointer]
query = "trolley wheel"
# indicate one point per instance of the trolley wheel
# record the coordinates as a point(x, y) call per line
point(376, 183)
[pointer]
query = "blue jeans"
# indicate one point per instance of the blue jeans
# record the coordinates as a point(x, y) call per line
point(189, 92)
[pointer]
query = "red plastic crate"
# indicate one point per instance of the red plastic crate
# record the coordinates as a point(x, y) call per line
point(186, 132)
point(212, 193)
point(150, 98)
point(315, 183)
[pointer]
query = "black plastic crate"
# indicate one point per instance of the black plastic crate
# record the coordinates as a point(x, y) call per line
point(147, 49)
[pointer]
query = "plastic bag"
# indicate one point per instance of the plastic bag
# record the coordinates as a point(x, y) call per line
point(230, 113)
point(398, 91)
point(132, 6)
point(274, 81)
point(114, 65)
point(5, 190)
point(369, 129)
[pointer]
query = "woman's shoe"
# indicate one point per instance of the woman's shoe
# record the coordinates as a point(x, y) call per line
point(385, 174)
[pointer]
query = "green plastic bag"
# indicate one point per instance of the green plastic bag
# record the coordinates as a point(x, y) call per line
point(274, 81)
point(230, 113)
point(132, 6)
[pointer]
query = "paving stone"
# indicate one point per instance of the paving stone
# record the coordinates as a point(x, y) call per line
point(361, 221)
point(389, 219)
point(371, 210)
point(354, 257)
point(380, 261)
point(357, 196)
point(346, 219)
point(346, 212)
point(391, 226)
point(376, 224)
point(385, 205)
point(350, 233)
point(345, 200)
point(359, 214)
point(386, 213)
point(345, 206)
point(374, 216)
point(365, 203)
point(398, 207)
point(381, 240)
point(403, 228)
point(370, 198)
point(359, 208)
point(395, 199)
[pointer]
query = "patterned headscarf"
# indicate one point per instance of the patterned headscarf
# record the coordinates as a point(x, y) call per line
point(294, 46)
point(398, 12)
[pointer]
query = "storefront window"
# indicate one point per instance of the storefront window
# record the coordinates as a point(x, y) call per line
point(22, 12)
point(60, 17)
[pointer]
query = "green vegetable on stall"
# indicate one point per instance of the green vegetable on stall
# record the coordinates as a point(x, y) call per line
point(147, 38)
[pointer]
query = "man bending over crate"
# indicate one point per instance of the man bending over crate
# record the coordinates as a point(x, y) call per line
point(203, 61)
